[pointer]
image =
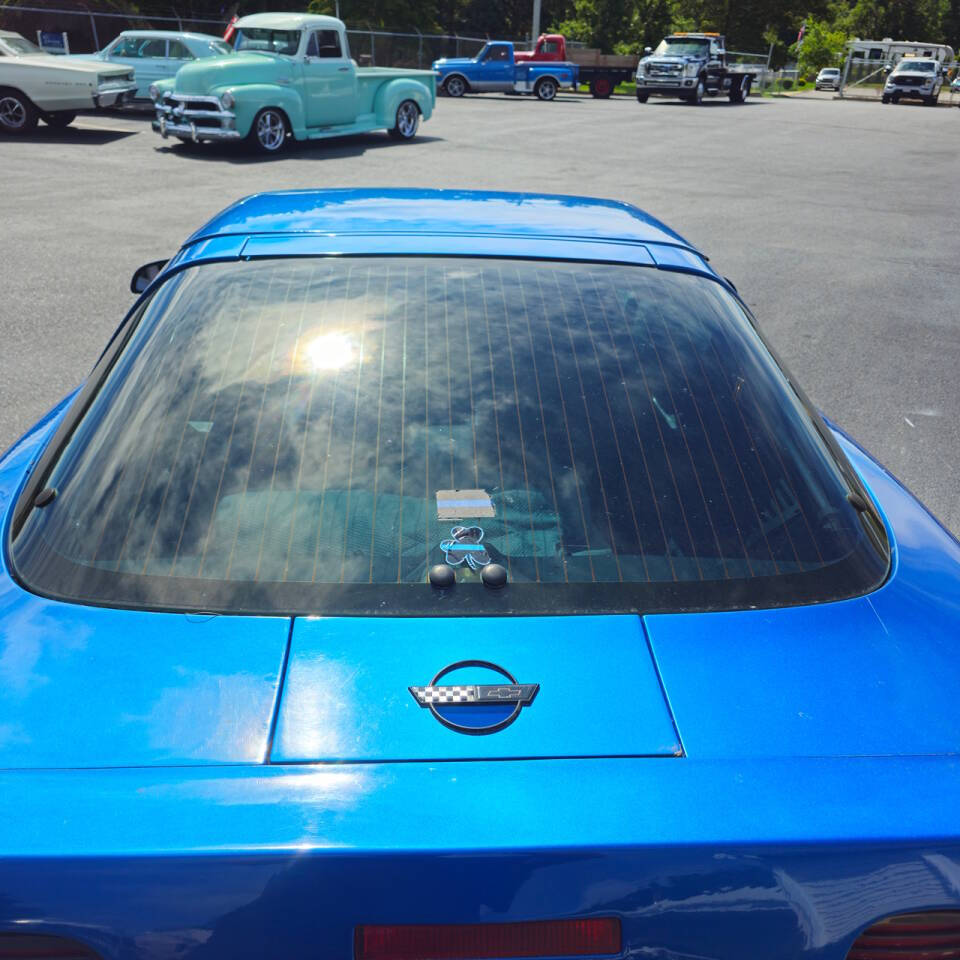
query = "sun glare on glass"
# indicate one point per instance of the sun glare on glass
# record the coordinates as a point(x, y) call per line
point(330, 351)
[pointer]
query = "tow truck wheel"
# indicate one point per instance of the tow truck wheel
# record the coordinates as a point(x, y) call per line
point(642, 97)
point(696, 98)
point(408, 119)
point(601, 87)
point(60, 119)
point(739, 92)
point(268, 132)
point(546, 89)
point(455, 86)
point(17, 114)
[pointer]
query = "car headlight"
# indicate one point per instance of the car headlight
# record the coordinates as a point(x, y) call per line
point(691, 69)
point(226, 100)
point(154, 92)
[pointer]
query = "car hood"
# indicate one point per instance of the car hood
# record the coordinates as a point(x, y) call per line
point(209, 73)
point(878, 675)
point(448, 62)
point(73, 65)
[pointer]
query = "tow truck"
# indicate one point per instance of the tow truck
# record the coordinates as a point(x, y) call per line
point(688, 66)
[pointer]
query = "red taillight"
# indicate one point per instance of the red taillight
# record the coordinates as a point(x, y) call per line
point(911, 936)
point(596, 936)
point(28, 946)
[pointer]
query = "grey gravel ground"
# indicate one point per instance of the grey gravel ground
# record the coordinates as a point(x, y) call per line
point(836, 220)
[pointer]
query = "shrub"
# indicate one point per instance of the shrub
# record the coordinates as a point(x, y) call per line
point(801, 83)
point(787, 84)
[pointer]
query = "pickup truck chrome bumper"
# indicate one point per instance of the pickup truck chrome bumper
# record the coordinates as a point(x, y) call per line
point(192, 131)
point(113, 94)
point(666, 85)
point(195, 117)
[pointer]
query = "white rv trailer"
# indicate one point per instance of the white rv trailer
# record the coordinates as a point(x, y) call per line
point(891, 51)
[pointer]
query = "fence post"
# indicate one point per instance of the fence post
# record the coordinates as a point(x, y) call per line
point(419, 49)
point(846, 75)
point(93, 27)
point(373, 49)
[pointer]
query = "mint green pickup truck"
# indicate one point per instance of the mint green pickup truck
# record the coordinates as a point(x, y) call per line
point(290, 75)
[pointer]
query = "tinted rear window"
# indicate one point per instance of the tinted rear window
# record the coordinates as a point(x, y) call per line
point(312, 435)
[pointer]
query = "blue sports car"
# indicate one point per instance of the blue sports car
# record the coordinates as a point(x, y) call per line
point(426, 575)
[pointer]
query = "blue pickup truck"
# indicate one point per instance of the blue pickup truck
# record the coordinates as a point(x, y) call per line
point(494, 68)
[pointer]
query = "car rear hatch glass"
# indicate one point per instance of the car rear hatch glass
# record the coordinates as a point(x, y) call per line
point(311, 435)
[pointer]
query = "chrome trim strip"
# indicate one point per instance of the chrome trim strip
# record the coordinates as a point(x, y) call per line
point(192, 131)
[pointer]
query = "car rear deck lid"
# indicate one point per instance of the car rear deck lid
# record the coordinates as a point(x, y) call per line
point(347, 694)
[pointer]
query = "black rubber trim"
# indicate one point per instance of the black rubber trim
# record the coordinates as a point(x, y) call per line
point(81, 403)
point(91, 586)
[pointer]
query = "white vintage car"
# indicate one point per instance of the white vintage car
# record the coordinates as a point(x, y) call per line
point(35, 85)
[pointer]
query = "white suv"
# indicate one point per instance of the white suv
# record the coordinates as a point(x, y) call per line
point(828, 77)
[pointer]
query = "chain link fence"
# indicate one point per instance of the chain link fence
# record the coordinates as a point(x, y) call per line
point(91, 30)
point(863, 79)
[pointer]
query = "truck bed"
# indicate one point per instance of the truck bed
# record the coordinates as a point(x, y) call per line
point(590, 57)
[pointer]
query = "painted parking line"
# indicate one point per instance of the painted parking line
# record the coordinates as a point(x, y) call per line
point(108, 128)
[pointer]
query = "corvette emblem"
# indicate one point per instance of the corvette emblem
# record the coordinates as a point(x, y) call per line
point(494, 705)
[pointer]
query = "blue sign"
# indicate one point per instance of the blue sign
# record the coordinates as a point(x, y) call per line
point(53, 42)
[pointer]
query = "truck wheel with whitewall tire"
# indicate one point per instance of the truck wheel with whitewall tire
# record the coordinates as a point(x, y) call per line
point(59, 120)
point(455, 86)
point(17, 114)
point(601, 87)
point(407, 121)
point(642, 97)
point(546, 88)
point(268, 132)
point(696, 98)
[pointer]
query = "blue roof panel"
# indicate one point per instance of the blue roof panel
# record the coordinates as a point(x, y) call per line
point(464, 213)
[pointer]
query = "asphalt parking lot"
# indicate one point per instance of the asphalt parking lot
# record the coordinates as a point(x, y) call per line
point(836, 221)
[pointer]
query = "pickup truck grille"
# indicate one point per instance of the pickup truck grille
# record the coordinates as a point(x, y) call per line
point(664, 69)
point(202, 112)
point(907, 81)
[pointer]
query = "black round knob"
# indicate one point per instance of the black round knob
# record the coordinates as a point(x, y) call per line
point(494, 576)
point(442, 575)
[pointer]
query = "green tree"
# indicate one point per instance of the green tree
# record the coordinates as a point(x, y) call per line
point(380, 14)
point(822, 46)
point(598, 23)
